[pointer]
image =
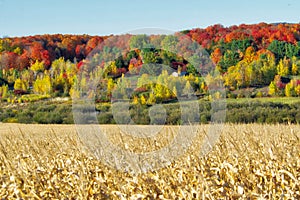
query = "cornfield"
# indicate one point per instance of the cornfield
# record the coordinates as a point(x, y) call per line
point(248, 162)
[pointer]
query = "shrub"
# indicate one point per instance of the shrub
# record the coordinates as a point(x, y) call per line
point(259, 94)
point(105, 118)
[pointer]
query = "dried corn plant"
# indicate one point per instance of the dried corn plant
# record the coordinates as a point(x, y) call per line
point(248, 162)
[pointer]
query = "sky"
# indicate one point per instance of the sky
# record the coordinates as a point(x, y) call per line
point(105, 17)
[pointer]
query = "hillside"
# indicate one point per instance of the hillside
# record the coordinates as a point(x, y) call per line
point(259, 60)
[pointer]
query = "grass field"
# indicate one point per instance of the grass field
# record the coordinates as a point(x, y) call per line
point(248, 162)
point(283, 100)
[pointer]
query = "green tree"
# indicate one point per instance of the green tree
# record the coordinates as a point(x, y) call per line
point(291, 50)
point(278, 48)
point(229, 59)
point(149, 56)
point(121, 87)
point(169, 43)
point(139, 42)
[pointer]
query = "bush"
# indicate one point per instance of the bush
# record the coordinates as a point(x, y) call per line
point(139, 114)
point(25, 117)
point(259, 94)
point(11, 120)
point(231, 95)
point(105, 118)
point(174, 116)
point(204, 118)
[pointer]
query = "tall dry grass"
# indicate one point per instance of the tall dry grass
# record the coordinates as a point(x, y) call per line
point(248, 162)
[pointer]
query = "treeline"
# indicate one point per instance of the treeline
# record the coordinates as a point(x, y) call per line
point(247, 56)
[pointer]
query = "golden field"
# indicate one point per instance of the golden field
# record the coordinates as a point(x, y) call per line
point(248, 162)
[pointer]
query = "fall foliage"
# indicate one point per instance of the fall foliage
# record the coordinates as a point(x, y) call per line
point(246, 56)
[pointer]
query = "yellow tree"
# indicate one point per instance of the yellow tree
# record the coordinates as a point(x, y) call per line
point(20, 85)
point(143, 80)
point(203, 87)
point(174, 91)
point(38, 66)
point(18, 51)
point(283, 67)
point(113, 68)
point(42, 85)
point(110, 85)
point(187, 89)
point(295, 66)
point(243, 72)
point(3, 91)
point(230, 78)
point(268, 69)
point(151, 99)
point(272, 88)
point(288, 90)
point(135, 100)
point(297, 90)
point(159, 90)
point(143, 100)
point(167, 93)
point(249, 55)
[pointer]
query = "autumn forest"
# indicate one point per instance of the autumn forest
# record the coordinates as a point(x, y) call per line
point(253, 61)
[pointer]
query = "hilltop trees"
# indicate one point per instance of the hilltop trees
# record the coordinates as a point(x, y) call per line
point(247, 56)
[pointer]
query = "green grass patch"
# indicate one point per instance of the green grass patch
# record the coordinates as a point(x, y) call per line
point(282, 100)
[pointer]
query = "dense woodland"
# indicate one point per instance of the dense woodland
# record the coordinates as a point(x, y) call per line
point(260, 60)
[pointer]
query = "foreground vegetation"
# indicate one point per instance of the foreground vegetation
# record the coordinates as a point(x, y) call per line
point(248, 162)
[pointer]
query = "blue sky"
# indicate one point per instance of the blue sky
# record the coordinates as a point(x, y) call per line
point(104, 17)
